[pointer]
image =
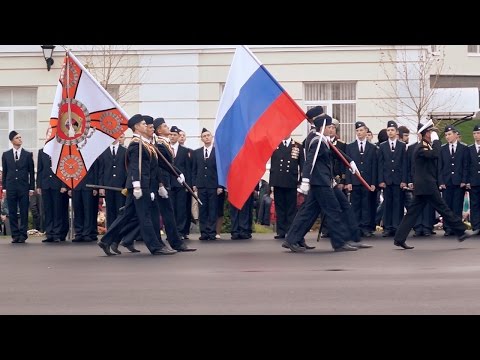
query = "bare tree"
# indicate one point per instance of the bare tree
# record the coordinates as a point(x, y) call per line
point(409, 89)
point(115, 68)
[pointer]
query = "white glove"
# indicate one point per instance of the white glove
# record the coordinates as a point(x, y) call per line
point(305, 186)
point(152, 196)
point(353, 169)
point(137, 192)
point(434, 136)
point(163, 192)
point(181, 179)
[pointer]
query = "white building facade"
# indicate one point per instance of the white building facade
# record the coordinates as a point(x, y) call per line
point(184, 83)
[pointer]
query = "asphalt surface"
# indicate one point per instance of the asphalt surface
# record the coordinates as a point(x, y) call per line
point(439, 276)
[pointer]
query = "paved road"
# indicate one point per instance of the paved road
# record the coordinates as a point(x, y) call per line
point(439, 276)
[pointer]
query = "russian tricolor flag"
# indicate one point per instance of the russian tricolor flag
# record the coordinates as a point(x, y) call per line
point(255, 114)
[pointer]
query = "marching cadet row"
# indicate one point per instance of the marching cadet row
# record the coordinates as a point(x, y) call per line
point(388, 167)
point(110, 170)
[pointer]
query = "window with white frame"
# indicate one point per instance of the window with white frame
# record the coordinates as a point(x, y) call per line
point(18, 111)
point(339, 100)
point(474, 49)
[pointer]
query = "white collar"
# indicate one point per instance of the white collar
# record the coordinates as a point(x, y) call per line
point(289, 140)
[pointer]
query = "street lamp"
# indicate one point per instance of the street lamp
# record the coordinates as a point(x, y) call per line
point(47, 53)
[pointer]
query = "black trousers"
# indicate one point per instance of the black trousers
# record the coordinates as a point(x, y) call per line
point(285, 208)
point(18, 200)
point(178, 197)
point(166, 210)
point(419, 201)
point(321, 198)
point(475, 207)
point(55, 208)
point(85, 209)
point(208, 212)
point(394, 199)
point(135, 209)
point(242, 219)
point(188, 215)
point(453, 196)
point(362, 202)
point(115, 200)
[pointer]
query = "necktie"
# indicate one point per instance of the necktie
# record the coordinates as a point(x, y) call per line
point(393, 147)
point(453, 150)
point(16, 155)
point(113, 151)
point(361, 147)
point(285, 143)
point(206, 153)
point(478, 149)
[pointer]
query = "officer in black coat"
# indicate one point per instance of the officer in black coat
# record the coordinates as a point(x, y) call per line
point(18, 181)
point(205, 181)
point(178, 194)
point(392, 178)
point(285, 169)
point(473, 179)
point(424, 224)
point(55, 199)
point(112, 172)
point(453, 172)
point(339, 169)
point(365, 156)
point(426, 190)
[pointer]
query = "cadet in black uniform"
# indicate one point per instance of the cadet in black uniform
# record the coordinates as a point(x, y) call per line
point(339, 169)
point(55, 199)
point(424, 224)
point(178, 194)
point(426, 190)
point(285, 169)
point(317, 180)
point(392, 178)
point(112, 172)
point(365, 156)
point(164, 176)
point(18, 181)
point(205, 181)
point(182, 138)
point(452, 174)
point(473, 179)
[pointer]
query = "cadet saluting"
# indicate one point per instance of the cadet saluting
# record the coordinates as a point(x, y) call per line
point(426, 190)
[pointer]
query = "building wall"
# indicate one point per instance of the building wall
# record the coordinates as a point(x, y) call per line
point(183, 83)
